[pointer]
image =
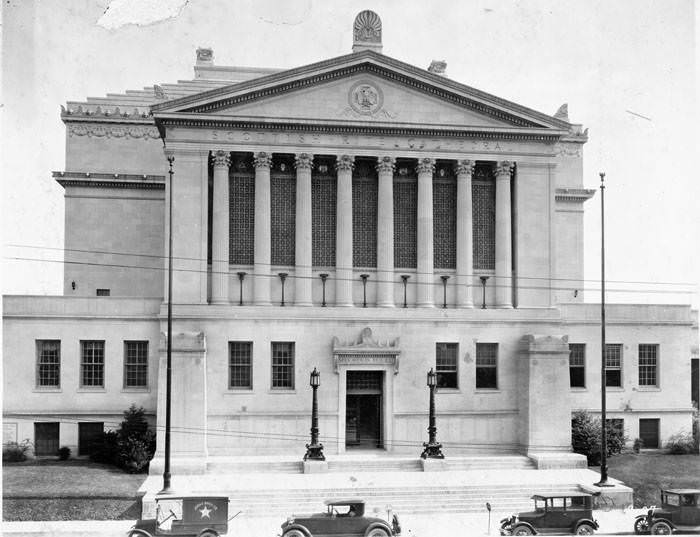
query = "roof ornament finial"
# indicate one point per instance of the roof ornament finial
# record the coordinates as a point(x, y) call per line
point(367, 32)
point(563, 112)
point(205, 56)
point(438, 67)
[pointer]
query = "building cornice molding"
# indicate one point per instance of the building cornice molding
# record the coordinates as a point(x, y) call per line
point(110, 180)
point(574, 195)
point(113, 129)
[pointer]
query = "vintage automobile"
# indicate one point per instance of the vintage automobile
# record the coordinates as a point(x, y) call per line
point(554, 513)
point(342, 517)
point(185, 516)
point(680, 510)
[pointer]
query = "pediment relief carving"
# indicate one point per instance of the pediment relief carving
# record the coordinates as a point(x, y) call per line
point(366, 350)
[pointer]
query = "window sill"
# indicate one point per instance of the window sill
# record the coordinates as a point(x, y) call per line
point(47, 390)
point(648, 389)
point(282, 391)
point(96, 389)
point(579, 389)
point(448, 390)
point(487, 390)
point(237, 391)
point(136, 390)
point(614, 389)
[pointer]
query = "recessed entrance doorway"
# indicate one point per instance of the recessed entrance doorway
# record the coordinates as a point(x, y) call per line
point(363, 410)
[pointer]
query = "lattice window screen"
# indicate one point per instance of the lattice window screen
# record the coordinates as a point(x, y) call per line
point(364, 221)
point(445, 223)
point(323, 205)
point(484, 218)
point(241, 218)
point(283, 202)
point(405, 222)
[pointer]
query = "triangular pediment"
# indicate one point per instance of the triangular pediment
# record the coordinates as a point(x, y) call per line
point(362, 87)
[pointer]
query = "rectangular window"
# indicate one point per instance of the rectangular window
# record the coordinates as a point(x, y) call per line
point(46, 436)
point(577, 365)
point(649, 432)
point(240, 365)
point(283, 365)
point(92, 364)
point(486, 365)
point(648, 355)
point(136, 364)
point(446, 364)
point(48, 366)
point(103, 292)
point(613, 365)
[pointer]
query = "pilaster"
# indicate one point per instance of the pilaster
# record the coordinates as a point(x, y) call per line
point(424, 246)
point(464, 254)
point(262, 267)
point(221, 161)
point(385, 232)
point(343, 233)
point(302, 257)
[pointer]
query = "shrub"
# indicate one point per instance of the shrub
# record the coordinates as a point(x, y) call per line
point(14, 452)
point(638, 445)
point(681, 443)
point(586, 432)
point(64, 453)
point(130, 447)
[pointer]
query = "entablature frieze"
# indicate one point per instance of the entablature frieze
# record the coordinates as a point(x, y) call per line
point(366, 351)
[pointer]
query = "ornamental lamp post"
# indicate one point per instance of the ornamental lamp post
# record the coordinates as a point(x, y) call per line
point(404, 279)
point(444, 290)
point(283, 277)
point(432, 449)
point(314, 450)
point(324, 277)
point(483, 291)
point(364, 289)
point(241, 276)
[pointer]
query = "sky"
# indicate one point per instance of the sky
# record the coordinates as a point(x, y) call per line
point(626, 68)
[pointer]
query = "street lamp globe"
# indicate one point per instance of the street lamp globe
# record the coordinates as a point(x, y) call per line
point(432, 378)
point(315, 380)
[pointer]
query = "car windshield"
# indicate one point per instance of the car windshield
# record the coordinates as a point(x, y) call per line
point(539, 505)
point(168, 510)
point(672, 499)
point(342, 510)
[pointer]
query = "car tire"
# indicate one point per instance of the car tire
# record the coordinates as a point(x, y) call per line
point(522, 530)
point(585, 529)
point(661, 528)
point(295, 533)
point(138, 533)
point(377, 532)
point(641, 526)
point(208, 533)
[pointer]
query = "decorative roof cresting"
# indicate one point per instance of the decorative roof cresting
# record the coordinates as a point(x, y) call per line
point(367, 32)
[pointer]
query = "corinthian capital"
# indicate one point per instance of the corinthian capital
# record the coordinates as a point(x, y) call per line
point(262, 160)
point(345, 163)
point(464, 167)
point(304, 161)
point(426, 165)
point(386, 164)
point(504, 168)
point(221, 159)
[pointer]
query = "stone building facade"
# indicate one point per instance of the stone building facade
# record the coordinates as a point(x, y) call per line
point(359, 215)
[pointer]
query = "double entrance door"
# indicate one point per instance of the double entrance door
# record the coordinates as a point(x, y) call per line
point(363, 410)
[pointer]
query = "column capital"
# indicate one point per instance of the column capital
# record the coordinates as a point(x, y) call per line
point(304, 161)
point(386, 164)
point(221, 159)
point(426, 165)
point(464, 167)
point(344, 162)
point(504, 169)
point(262, 160)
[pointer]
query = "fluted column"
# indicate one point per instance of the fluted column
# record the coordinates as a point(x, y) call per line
point(385, 232)
point(343, 232)
point(220, 228)
point(465, 261)
point(262, 265)
point(503, 236)
point(424, 246)
point(302, 256)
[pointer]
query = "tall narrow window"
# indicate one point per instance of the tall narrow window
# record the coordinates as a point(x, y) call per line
point(48, 366)
point(613, 365)
point(92, 365)
point(240, 365)
point(577, 365)
point(487, 365)
point(136, 364)
point(283, 365)
point(446, 364)
point(648, 355)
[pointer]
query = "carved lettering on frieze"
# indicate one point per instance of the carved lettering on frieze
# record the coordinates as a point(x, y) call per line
point(113, 131)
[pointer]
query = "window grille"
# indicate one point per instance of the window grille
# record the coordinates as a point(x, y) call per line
point(405, 221)
point(445, 223)
point(446, 364)
point(102, 292)
point(240, 365)
point(92, 364)
point(484, 218)
point(487, 365)
point(48, 372)
point(283, 218)
point(136, 364)
point(283, 365)
point(613, 365)
point(364, 380)
point(648, 365)
point(323, 208)
point(577, 365)
point(364, 221)
point(241, 218)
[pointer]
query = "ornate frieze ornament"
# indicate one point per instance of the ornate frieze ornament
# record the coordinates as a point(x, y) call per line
point(113, 131)
point(99, 112)
point(504, 169)
point(426, 165)
point(365, 98)
point(262, 160)
point(367, 28)
point(567, 150)
point(366, 351)
point(345, 162)
point(221, 159)
point(386, 164)
point(304, 161)
point(574, 195)
point(465, 167)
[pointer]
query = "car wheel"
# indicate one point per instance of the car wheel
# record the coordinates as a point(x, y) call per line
point(661, 528)
point(585, 529)
point(139, 533)
point(641, 526)
point(522, 530)
point(208, 533)
point(294, 533)
point(378, 532)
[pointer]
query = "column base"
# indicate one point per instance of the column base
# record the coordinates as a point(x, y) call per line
point(386, 305)
point(503, 306)
point(425, 305)
point(343, 305)
point(302, 304)
point(466, 305)
point(262, 303)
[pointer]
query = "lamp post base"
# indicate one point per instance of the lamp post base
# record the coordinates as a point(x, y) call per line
point(433, 450)
point(314, 452)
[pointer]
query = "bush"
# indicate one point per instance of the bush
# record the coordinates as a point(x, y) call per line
point(64, 453)
point(681, 443)
point(14, 452)
point(638, 445)
point(586, 432)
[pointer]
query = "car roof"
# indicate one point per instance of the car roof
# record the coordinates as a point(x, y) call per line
point(344, 501)
point(682, 491)
point(189, 497)
point(546, 495)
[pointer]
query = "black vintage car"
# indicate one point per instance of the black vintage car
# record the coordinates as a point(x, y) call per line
point(680, 510)
point(554, 513)
point(185, 516)
point(342, 517)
